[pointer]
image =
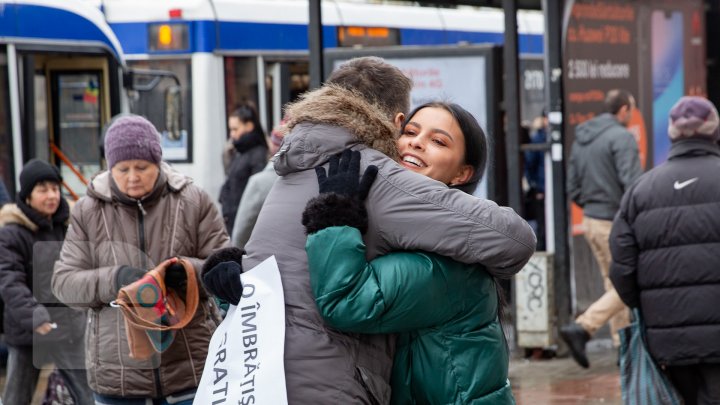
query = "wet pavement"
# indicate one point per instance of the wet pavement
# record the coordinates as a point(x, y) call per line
point(560, 381)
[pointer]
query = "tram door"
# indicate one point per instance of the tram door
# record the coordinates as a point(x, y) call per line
point(284, 82)
point(285, 78)
point(67, 103)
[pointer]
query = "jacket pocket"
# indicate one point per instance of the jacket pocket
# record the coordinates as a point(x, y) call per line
point(375, 385)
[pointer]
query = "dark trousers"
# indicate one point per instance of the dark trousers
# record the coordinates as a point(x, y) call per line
point(697, 384)
point(23, 371)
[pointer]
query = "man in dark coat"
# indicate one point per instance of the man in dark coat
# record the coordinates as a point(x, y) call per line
point(664, 244)
point(38, 328)
point(604, 162)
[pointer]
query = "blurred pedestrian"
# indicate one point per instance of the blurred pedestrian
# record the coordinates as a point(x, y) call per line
point(664, 246)
point(134, 216)
point(447, 311)
point(251, 156)
point(253, 197)
point(38, 329)
point(535, 176)
point(361, 106)
point(604, 162)
point(4, 195)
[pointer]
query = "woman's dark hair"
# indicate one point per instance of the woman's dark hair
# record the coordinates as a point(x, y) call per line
point(476, 144)
point(247, 112)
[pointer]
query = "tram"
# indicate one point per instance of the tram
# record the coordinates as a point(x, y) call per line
point(62, 77)
point(227, 51)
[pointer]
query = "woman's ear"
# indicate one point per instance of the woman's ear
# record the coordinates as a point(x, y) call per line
point(463, 175)
point(399, 118)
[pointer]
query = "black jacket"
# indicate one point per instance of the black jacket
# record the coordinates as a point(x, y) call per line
point(604, 162)
point(251, 158)
point(29, 246)
point(665, 245)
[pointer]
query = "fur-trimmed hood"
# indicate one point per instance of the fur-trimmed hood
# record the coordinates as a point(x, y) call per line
point(12, 214)
point(328, 120)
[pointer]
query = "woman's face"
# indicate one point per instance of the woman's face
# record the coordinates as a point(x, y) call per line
point(432, 144)
point(135, 178)
point(45, 198)
point(239, 128)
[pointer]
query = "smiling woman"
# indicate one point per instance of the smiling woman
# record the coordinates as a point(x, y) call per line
point(443, 141)
point(446, 313)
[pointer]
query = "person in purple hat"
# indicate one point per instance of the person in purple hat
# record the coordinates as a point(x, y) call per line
point(135, 215)
point(665, 260)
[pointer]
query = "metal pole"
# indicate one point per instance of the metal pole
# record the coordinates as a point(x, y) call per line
point(511, 96)
point(14, 84)
point(553, 10)
point(315, 44)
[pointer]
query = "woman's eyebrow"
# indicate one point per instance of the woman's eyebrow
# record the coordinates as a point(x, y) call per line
point(442, 131)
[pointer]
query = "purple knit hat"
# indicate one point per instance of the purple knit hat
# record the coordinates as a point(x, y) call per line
point(131, 137)
point(694, 117)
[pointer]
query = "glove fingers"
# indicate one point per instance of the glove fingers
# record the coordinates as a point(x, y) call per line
point(235, 288)
point(333, 165)
point(227, 294)
point(345, 161)
point(354, 167)
point(366, 181)
point(321, 175)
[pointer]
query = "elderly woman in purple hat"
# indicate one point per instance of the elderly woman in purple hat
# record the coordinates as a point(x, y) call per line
point(134, 216)
point(665, 260)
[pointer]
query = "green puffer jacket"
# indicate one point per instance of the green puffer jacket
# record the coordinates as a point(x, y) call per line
point(451, 348)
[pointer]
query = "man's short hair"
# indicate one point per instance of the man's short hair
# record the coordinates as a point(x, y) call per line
point(377, 80)
point(617, 99)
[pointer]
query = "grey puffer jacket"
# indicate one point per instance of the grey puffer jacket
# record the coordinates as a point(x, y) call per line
point(604, 162)
point(406, 211)
point(109, 230)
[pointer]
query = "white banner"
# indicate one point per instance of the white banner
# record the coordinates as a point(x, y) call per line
point(252, 334)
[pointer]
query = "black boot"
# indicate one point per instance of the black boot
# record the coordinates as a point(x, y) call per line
point(576, 338)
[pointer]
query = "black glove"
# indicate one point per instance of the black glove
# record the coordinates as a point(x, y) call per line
point(221, 274)
point(343, 174)
point(127, 275)
point(342, 195)
point(176, 278)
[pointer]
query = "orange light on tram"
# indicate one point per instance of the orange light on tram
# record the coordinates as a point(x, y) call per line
point(379, 32)
point(165, 35)
point(367, 36)
point(356, 31)
point(168, 37)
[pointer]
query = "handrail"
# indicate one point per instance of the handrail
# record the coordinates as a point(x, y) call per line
point(70, 190)
point(68, 163)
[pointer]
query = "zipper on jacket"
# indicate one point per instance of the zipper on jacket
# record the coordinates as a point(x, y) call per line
point(141, 233)
point(156, 373)
point(143, 259)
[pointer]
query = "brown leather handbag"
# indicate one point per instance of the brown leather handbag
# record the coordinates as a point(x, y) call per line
point(153, 312)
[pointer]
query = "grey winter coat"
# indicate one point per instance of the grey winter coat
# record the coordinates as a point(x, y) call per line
point(406, 211)
point(109, 230)
point(257, 189)
point(604, 162)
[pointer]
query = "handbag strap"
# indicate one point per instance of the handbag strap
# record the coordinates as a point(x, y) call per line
point(192, 298)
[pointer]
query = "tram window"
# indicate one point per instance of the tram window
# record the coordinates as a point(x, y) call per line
point(42, 147)
point(77, 122)
point(6, 152)
point(151, 104)
point(241, 82)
